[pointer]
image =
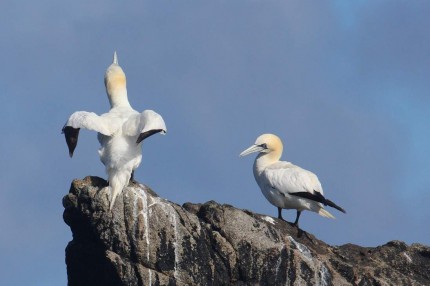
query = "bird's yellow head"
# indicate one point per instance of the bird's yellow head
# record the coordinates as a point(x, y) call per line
point(115, 83)
point(269, 144)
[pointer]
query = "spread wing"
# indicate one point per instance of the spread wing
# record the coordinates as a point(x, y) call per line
point(87, 120)
point(293, 180)
point(144, 125)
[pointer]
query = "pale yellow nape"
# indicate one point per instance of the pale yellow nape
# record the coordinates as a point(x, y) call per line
point(115, 78)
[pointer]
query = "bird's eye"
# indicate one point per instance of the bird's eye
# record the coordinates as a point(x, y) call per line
point(264, 146)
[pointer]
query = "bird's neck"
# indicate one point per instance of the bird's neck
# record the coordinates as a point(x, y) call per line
point(264, 160)
point(118, 97)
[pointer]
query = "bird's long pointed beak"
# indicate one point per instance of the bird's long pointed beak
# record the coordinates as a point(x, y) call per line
point(115, 58)
point(254, 148)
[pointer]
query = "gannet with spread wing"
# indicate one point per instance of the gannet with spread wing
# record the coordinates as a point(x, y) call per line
point(120, 131)
point(284, 184)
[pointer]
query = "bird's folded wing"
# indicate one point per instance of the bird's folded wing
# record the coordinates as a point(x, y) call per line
point(144, 125)
point(87, 120)
point(292, 179)
point(298, 182)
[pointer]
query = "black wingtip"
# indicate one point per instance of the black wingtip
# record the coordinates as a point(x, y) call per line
point(333, 205)
point(318, 197)
point(146, 134)
point(71, 134)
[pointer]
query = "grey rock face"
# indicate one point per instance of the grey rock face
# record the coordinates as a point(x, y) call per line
point(147, 240)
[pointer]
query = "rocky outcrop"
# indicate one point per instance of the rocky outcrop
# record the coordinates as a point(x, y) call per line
point(147, 240)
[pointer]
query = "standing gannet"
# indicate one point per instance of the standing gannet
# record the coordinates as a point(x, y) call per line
point(120, 131)
point(285, 185)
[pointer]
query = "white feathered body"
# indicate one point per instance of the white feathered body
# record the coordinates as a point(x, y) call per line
point(119, 149)
point(278, 180)
point(119, 152)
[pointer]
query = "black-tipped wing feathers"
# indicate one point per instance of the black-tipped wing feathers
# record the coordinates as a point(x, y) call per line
point(71, 134)
point(87, 120)
point(317, 197)
point(144, 125)
point(146, 134)
point(290, 179)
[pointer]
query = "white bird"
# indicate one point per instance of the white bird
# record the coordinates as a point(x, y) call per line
point(284, 184)
point(120, 131)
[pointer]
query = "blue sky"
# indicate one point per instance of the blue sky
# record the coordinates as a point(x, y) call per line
point(345, 85)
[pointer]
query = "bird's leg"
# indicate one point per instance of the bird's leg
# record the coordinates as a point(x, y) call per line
point(296, 222)
point(280, 214)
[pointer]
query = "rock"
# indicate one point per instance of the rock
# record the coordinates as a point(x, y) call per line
point(147, 240)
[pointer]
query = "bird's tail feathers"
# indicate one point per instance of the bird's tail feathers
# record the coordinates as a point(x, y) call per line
point(324, 213)
point(117, 182)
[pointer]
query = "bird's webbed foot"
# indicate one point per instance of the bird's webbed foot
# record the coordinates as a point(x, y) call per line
point(293, 224)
